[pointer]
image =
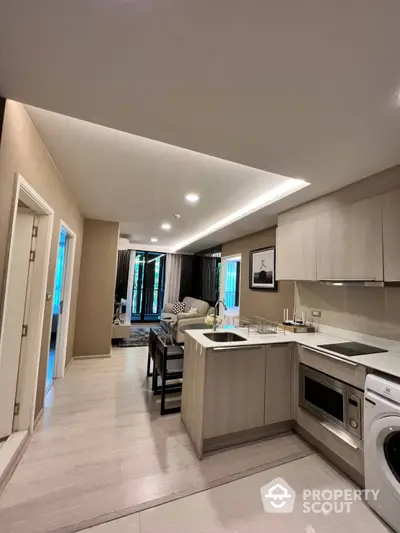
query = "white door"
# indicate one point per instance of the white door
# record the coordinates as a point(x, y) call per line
point(18, 297)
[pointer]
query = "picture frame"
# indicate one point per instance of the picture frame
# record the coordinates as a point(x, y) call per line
point(262, 269)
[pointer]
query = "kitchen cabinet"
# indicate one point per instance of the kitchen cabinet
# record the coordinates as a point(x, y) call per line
point(234, 390)
point(278, 384)
point(349, 242)
point(296, 250)
point(391, 241)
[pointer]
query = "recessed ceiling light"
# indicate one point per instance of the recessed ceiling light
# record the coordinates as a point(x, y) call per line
point(192, 198)
point(166, 226)
point(154, 239)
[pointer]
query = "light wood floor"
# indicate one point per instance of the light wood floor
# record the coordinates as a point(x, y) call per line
point(101, 451)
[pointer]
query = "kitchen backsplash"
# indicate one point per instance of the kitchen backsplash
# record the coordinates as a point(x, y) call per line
point(373, 311)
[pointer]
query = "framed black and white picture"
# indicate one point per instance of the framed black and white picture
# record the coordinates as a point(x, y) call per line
point(262, 269)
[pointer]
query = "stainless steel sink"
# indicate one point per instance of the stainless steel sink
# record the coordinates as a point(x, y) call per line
point(224, 336)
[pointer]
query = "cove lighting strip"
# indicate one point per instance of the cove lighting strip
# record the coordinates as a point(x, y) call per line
point(272, 196)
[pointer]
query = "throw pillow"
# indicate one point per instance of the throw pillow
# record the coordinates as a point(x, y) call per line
point(194, 311)
point(179, 307)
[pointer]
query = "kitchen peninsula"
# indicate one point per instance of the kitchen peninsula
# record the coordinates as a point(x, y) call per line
point(248, 388)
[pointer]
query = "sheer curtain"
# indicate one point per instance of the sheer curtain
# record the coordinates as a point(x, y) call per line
point(172, 278)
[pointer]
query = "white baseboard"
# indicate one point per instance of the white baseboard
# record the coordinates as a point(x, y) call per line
point(68, 365)
point(100, 356)
point(10, 455)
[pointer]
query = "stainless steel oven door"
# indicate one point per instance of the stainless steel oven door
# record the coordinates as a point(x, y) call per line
point(323, 395)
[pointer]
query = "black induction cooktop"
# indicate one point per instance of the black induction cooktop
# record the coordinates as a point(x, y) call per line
point(351, 349)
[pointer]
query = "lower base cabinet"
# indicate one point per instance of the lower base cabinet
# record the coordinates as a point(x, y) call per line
point(278, 384)
point(234, 390)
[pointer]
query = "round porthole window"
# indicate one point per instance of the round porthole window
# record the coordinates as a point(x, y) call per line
point(391, 447)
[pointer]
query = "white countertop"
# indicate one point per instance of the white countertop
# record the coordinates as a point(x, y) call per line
point(388, 363)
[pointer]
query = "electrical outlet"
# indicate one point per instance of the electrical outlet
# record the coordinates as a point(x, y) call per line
point(316, 313)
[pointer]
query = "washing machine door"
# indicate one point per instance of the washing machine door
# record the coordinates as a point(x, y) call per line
point(383, 444)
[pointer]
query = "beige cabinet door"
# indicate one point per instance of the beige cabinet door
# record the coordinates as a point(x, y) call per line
point(278, 384)
point(391, 240)
point(234, 390)
point(349, 242)
point(296, 250)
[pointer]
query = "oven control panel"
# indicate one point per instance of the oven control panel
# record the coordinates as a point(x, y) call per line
point(354, 415)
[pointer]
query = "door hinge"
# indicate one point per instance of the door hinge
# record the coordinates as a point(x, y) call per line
point(35, 231)
point(24, 330)
point(61, 307)
point(32, 256)
point(17, 407)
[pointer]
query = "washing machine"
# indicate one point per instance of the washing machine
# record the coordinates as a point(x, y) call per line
point(382, 447)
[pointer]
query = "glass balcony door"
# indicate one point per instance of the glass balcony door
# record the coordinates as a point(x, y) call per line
point(148, 286)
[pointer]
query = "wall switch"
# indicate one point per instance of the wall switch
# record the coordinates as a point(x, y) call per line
point(316, 313)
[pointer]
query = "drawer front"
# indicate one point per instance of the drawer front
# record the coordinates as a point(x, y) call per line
point(349, 372)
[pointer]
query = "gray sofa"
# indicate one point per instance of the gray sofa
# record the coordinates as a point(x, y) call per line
point(175, 324)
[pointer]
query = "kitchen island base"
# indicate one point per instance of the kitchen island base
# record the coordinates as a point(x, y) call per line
point(236, 394)
point(245, 437)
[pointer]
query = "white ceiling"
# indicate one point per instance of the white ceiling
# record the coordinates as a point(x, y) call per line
point(299, 88)
point(142, 183)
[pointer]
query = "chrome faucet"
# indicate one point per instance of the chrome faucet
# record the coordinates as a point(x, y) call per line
point(215, 312)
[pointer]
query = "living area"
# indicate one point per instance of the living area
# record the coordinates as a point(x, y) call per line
point(169, 291)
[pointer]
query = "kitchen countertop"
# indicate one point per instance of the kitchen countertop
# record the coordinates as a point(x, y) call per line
point(388, 363)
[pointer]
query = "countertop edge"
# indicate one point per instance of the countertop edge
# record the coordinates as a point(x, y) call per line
point(385, 362)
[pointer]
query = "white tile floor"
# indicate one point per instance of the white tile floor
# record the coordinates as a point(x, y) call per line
point(237, 508)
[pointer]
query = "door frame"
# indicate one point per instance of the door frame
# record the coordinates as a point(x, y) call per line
point(144, 285)
point(30, 352)
point(63, 326)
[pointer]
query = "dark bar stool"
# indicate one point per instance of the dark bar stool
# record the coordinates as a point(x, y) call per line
point(152, 351)
point(168, 364)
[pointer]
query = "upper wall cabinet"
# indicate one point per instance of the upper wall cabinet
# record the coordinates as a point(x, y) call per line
point(391, 239)
point(349, 242)
point(296, 250)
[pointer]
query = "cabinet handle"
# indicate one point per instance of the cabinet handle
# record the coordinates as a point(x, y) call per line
point(348, 279)
point(341, 359)
point(227, 349)
point(278, 344)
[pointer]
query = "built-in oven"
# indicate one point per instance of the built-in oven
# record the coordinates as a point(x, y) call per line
point(331, 399)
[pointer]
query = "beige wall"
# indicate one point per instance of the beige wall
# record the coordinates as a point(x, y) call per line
point(23, 152)
point(96, 288)
point(262, 303)
point(374, 311)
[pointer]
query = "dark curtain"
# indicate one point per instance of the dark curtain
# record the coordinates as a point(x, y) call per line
point(200, 277)
point(121, 285)
point(237, 284)
point(187, 286)
point(2, 110)
point(214, 251)
point(209, 279)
